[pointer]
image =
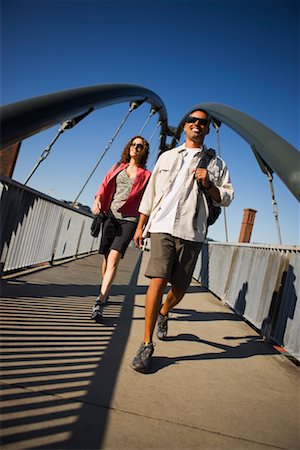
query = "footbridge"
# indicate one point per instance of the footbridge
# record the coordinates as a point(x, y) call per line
point(227, 376)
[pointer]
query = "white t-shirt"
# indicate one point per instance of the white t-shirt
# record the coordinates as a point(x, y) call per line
point(165, 218)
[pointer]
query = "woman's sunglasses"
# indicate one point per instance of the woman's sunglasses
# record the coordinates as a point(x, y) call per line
point(137, 146)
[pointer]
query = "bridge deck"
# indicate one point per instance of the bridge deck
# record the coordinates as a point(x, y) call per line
point(67, 382)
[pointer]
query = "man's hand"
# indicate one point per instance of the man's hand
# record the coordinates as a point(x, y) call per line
point(201, 176)
point(138, 237)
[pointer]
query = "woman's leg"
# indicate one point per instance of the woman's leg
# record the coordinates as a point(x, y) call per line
point(104, 264)
point(110, 270)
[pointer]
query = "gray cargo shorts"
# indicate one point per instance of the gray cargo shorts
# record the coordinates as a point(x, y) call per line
point(173, 259)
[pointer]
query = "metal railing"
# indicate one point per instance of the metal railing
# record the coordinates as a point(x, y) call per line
point(37, 229)
point(260, 283)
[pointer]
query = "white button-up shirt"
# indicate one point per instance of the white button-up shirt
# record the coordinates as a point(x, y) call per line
point(190, 206)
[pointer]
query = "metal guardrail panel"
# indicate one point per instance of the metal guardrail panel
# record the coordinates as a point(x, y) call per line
point(32, 242)
point(86, 239)
point(28, 225)
point(261, 283)
point(219, 263)
point(37, 229)
point(287, 329)
point(75, 236)
point(69, 236)
point(251, 286)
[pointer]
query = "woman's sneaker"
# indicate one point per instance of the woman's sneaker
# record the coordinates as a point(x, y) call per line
point(97, 311)
point(162, 326)
point(142, 360)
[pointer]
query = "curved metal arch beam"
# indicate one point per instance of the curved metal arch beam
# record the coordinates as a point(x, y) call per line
point(23, 119)
point(282, 157)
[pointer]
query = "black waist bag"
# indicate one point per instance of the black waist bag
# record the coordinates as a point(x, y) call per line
point(96, 224)
point(101, 217)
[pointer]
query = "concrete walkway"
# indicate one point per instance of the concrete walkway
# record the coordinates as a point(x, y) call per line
point(67, 383)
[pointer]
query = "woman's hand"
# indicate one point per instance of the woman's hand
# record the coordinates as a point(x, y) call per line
point(96, 208)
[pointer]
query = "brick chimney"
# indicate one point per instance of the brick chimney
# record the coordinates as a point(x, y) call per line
point(247, 225)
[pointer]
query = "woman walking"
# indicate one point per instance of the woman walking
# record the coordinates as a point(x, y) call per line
point(118, 197)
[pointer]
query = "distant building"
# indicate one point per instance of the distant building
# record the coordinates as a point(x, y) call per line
point(80, 206)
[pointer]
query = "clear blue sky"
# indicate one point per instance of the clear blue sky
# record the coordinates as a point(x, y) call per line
point(243, 53)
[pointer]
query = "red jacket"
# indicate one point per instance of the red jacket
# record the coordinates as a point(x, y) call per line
point(108, 187)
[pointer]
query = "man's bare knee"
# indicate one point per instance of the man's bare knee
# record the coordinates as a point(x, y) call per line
point(158, 284)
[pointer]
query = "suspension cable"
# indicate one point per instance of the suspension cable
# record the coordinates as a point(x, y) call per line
point(217, 127)
point(133, 105)
point(275, 206)
point(70, 123)
point(152, 135)
point(153, 150)
point(157, 141)
point(152, 112)
point(43, 155)
point(265, 168)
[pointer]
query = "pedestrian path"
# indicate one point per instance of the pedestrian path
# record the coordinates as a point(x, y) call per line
point(66, 381)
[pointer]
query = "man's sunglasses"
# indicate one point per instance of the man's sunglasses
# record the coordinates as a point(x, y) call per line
point(137, 146)
point(192, 119)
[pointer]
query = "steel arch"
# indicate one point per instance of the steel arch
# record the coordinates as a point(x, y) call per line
point(22, 119)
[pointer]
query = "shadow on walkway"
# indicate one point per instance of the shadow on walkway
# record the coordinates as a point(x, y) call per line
point(253, 346)
point(60, 371)
point(55, 361)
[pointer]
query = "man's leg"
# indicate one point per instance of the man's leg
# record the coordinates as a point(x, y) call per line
point(154, 295)
point(187, 253)
point(174, 296)
point(158, 270)
point(153, 301)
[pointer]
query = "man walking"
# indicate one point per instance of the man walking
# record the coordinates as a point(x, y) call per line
point(174, 210)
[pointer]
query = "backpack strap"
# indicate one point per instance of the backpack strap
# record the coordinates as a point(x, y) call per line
point(204, 161)
point(213, 211)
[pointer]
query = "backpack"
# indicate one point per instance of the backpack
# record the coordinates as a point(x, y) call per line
point(213, 211)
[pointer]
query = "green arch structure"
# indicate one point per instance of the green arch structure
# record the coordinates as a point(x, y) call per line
point(268, 146)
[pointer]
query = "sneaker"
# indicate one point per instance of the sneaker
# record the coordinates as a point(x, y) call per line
point(97, 310)
point(142, 360)
point(162, 326)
